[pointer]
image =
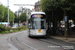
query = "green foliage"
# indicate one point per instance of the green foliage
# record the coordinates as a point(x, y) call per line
point(4, 14)
point(52, 5)
point(67, 4)
point(2, 28)
point(23, 27)
point(8, 28)
point(49, 5)
point(19, 28)
point(60, 8)
point(16, 19)
point(1, 12)
point(22, 17)
point(11, 16)
point(13, 30)
point(6, 32)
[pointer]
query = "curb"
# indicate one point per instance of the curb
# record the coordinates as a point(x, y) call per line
point(64, 39)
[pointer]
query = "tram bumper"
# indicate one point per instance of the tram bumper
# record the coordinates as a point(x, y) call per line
point(37, 34)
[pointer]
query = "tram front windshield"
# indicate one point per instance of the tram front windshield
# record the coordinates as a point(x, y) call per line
point(38, 23)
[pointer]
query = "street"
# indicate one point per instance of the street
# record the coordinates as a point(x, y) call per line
point(21, 41)
point(52, 19)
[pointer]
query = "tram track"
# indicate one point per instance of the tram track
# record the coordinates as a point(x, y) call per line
point(20, 45)
point(15, 41)
point(9, 39)
point(55, 41)
point(39, 40)
point(25, 44)
point(56, 44)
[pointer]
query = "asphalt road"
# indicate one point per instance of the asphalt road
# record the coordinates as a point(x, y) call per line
point(5, 42)
point(21, 41)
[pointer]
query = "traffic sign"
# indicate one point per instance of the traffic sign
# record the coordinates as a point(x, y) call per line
point(66, 18)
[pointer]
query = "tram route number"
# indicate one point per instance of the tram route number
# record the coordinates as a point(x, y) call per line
point(39, 31)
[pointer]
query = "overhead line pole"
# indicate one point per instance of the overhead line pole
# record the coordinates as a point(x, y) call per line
point(8, 11)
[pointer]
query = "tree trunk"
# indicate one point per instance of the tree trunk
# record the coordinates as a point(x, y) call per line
point(53, 21)
point(65, 29)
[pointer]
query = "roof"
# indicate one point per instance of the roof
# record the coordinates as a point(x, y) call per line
point(37, 13)
point(37, 3)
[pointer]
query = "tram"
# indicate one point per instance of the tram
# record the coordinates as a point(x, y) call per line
point(37, 24)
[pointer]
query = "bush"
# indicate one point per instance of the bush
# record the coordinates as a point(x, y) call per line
point(2, 32)
point(19, 28)
point(2, 28)
point(6, 31)
point(11, 31)
point(23, 27)
point(8, 28)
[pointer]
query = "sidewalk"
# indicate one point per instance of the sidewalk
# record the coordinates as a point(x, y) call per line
point(69, 39)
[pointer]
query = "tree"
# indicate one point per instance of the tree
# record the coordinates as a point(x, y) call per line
point(52, 5)
point(22, 17)
point(67, 6)
point(58, 9)
point(5, 15)
point(11, 16)
point(52, 9)
point(16, 18)
point(1, 12)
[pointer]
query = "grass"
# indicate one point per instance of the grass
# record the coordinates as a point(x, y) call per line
point(5, 32)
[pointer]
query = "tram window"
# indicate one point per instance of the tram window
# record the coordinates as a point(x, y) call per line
point(38, 25)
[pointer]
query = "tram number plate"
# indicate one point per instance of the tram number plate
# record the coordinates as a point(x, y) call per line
point(39, 31)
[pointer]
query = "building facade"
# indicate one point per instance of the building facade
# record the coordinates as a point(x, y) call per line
point(22, 10)
point(38, 6)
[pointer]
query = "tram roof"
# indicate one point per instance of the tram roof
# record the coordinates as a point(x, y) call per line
point(37, 13)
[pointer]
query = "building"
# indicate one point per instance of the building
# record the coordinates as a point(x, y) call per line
point(22, 10)
point(38, 6)
point(33, 10)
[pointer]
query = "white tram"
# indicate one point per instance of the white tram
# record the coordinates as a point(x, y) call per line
point(37, 24)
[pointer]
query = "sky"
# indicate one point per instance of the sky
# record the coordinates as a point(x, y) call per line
point(14, 7)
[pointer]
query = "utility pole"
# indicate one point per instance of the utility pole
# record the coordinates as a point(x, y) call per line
point(27, 16)
point(8, 11)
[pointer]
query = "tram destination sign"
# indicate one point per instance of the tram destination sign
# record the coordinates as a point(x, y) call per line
point(37, 15)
